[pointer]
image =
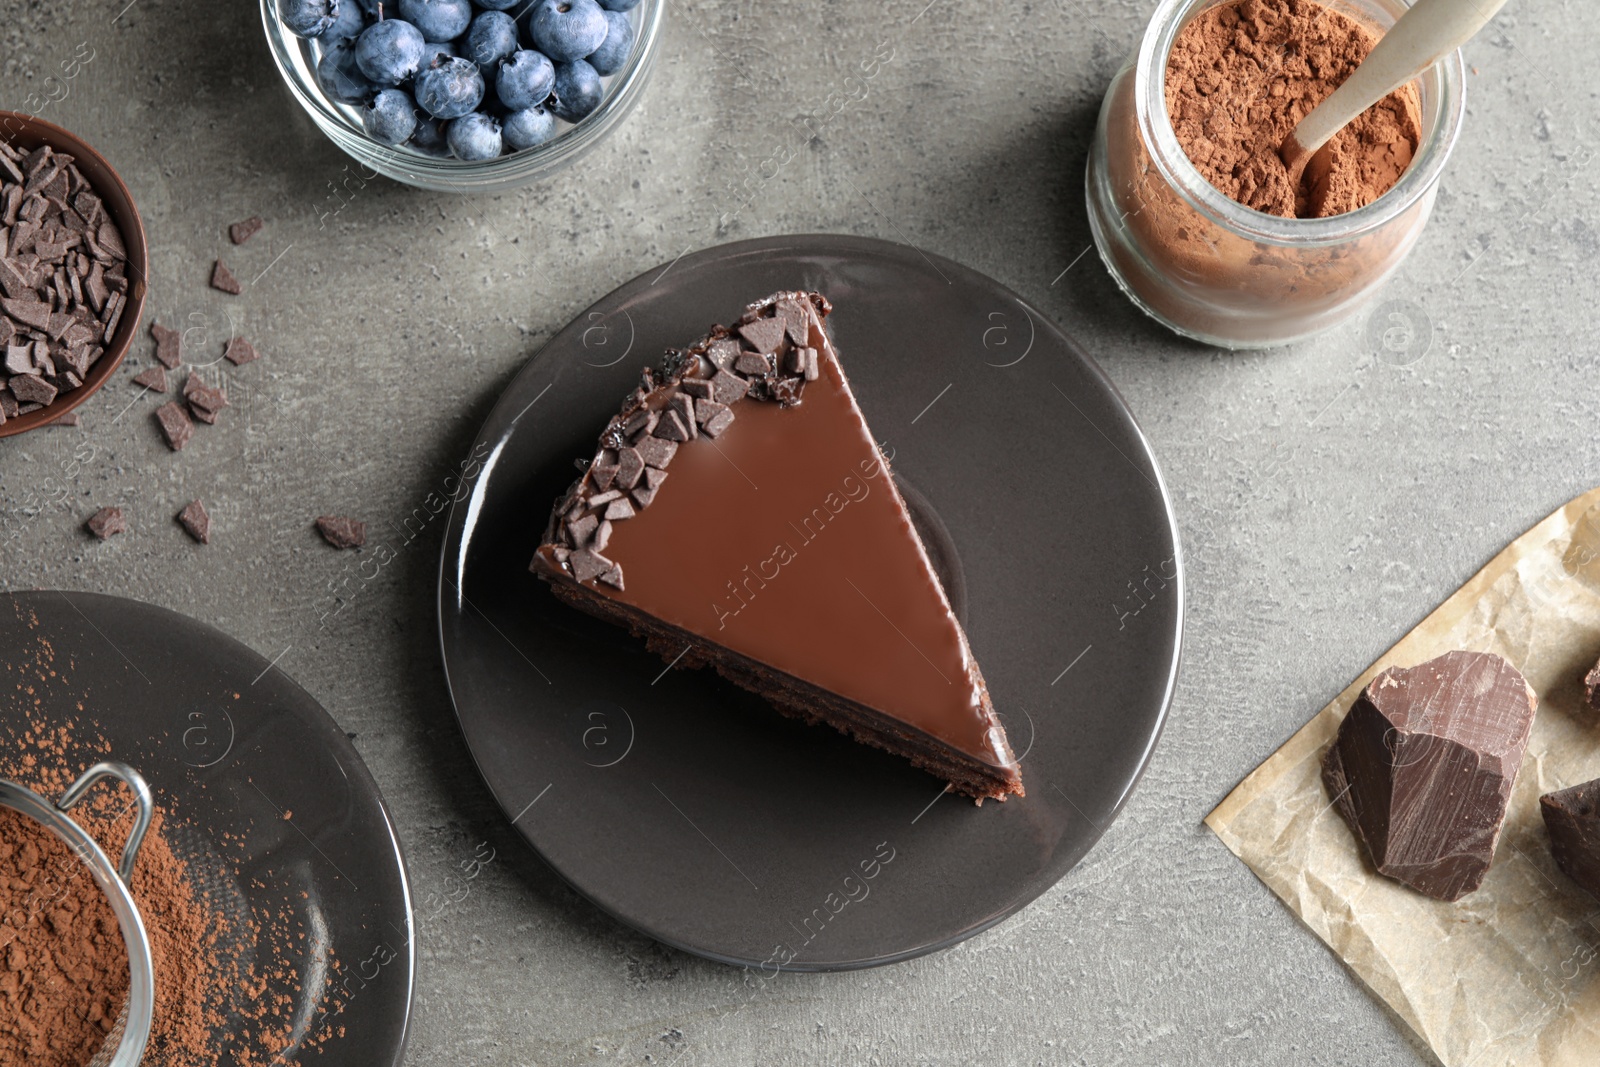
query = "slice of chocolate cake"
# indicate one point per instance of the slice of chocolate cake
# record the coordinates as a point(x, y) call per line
point(737, 514)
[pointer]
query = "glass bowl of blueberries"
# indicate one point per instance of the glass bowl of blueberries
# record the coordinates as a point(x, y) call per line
point(465, 95)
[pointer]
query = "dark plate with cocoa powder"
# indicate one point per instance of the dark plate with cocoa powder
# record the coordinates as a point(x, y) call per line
point(267, 801)
point(688, 808)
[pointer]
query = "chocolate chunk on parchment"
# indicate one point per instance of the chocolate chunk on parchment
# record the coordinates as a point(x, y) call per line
point(175, 424)
point(240, 232)
point(341, 531)
point(107, 522)
point(1572, 818)
point(1423, 766)
point(222, 278)
point(195, 519)
point(239, 352)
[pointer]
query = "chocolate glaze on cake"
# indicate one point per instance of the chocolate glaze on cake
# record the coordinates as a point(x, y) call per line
point(737, 514)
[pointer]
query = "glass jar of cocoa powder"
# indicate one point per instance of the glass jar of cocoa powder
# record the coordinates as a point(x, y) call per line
point(1212, 269)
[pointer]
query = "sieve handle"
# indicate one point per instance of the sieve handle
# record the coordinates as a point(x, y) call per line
point(141, 790)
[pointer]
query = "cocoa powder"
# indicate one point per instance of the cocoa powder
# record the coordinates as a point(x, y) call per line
point(1242, 75)
point(227, 985)
point(63, 966)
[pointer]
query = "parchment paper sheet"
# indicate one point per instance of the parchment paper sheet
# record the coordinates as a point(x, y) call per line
point(1509, 974)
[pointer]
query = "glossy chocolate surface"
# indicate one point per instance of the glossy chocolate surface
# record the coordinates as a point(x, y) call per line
point(785, 540)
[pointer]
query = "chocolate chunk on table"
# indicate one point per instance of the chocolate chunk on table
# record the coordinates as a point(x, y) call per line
point(1572, 818)
point(240, 352)
point(1423, 766)
point(169, 346)
point(175, 424)
point(341, 531)
point(205, 402)
point(107, 522)
point(154, 378)
point(195, 519)
point(240, 232)
point(222, 278)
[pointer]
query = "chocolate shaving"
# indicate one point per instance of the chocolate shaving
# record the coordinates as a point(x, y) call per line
point(175, 424)
point(107, 522)
point(197, 521)
point(153, 378)
point(168, 346)
point(240, 232)
point(341, 531)
point(240, 352)
point(222, 278)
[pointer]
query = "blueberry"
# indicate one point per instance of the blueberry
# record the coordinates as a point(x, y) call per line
point(609, 57)
point(528, 127)
point(390, 51)
point(449, 88)
point(439, 20)
point(391, 117)
point(498, 5)
point(349, 22)
point(491, 38)
point(308, 18)
point(524, 80)
point(577, 91)
point(618, 5)
point(341, 78)
point(475, 136)
point(566, 30)
point(429, 138)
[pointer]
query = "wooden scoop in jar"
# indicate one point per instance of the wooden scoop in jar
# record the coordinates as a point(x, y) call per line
point(1430, 30)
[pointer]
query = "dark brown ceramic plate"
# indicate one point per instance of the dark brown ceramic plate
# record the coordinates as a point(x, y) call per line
point(272, 804)
point(29, 132)
point(688, 808)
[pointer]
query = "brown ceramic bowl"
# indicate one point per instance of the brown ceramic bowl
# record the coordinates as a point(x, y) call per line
point(28, 132)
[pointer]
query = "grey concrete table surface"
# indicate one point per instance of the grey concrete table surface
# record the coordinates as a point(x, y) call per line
point(1329, 495)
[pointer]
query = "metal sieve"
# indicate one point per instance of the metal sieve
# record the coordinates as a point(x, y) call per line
point(124, 1045)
